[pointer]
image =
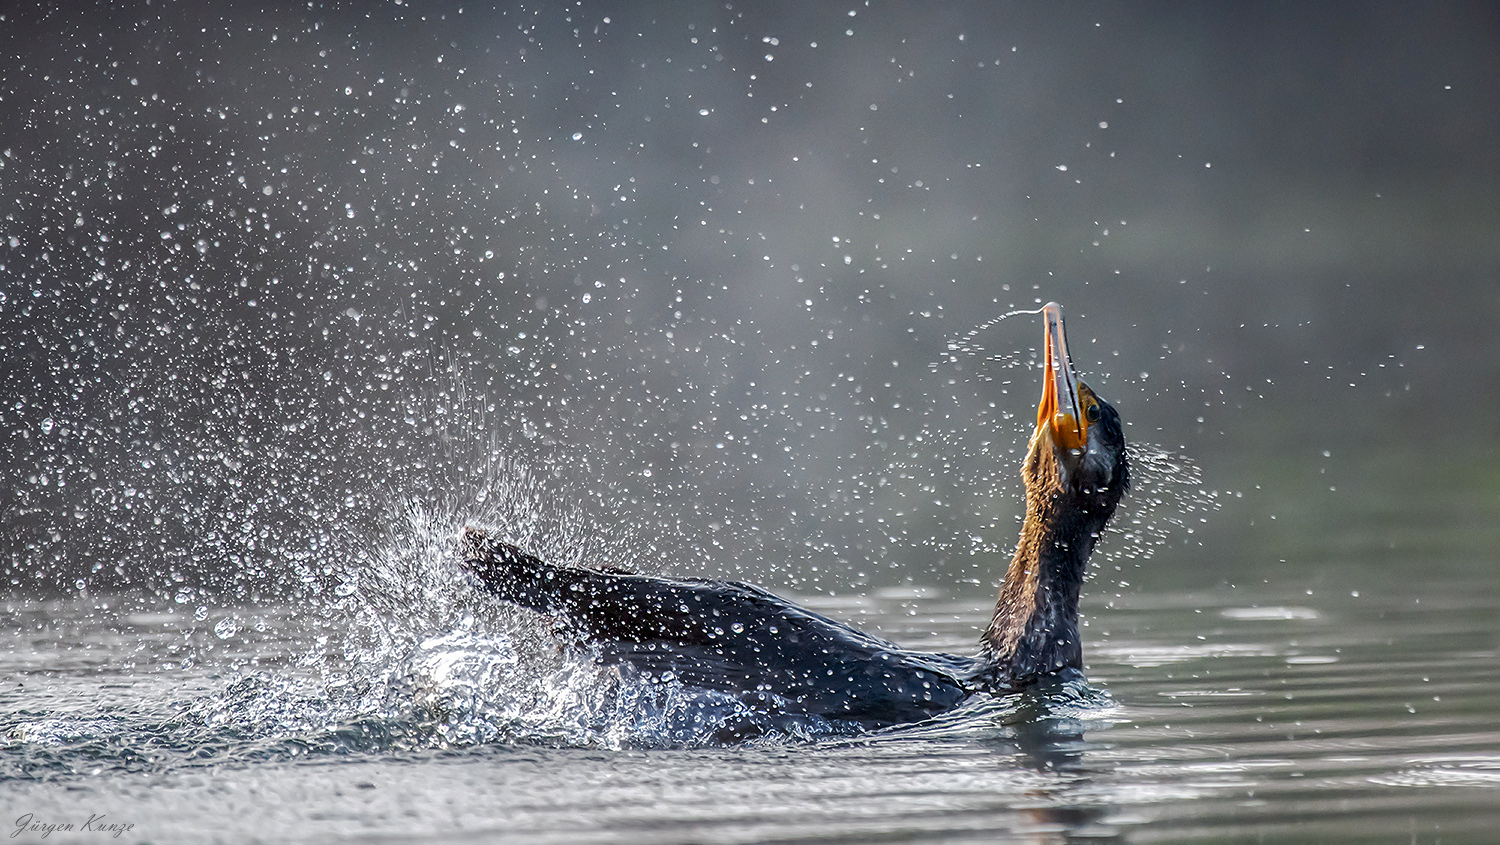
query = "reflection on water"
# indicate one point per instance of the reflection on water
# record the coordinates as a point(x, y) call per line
point(1207, 716)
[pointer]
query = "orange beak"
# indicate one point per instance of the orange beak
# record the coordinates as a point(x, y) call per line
point(1060, 405)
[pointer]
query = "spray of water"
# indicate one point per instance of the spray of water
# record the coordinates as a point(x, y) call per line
point(403, 652)
point(1167, 500)
point(969, 343)
point(1166, 504)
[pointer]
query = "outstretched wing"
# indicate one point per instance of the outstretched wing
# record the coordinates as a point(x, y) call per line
point(726, 636)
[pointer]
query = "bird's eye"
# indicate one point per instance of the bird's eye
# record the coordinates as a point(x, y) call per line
point(1091, 413)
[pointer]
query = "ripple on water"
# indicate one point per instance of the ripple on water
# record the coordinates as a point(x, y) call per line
point(1476, 770)
point(1269, 613)
point(1190, 738)
point(1206, 715)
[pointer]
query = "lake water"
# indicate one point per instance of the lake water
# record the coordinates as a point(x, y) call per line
point(1233, 714)
point(727, 276)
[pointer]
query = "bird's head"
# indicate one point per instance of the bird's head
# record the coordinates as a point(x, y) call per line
point(1079, 446)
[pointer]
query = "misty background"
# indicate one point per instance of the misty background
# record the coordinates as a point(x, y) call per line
point(709, 288)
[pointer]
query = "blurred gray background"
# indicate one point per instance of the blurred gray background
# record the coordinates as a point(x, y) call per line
point(702, 280)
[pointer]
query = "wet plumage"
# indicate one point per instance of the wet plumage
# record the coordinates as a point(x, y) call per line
point(785, 661)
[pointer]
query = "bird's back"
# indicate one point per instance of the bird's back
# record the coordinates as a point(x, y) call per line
point(727, 637)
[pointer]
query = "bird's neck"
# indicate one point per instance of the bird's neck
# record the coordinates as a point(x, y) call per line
point(1034, 631)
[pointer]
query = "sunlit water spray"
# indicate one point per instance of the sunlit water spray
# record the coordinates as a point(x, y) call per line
point(1167, 499)
point(970, 343)
point(390, 647)
point(407, 654)
point(400, 651)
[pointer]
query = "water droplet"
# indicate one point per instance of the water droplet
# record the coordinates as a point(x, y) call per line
point(227, 627)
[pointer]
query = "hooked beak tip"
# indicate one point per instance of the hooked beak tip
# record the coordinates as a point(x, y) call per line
point(1060, 406)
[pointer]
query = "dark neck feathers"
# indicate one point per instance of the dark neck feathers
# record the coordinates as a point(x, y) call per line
point(1034, 631)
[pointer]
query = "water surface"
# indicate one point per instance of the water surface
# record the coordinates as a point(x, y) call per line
point(1225, 715)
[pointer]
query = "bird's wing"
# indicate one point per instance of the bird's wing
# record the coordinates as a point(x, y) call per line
point(725, 636)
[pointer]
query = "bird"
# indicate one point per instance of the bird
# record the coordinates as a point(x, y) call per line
point(786, 663)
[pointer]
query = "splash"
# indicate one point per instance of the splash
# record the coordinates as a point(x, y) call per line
point(1166, 503)
point(407, 655)
point(970, 345)
point(1167, 500)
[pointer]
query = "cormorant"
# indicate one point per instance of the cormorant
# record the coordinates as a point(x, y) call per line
point(788, 662)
